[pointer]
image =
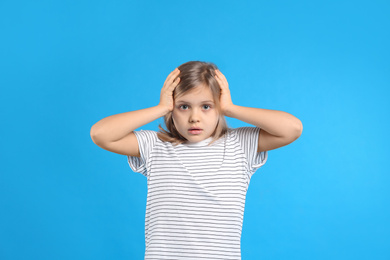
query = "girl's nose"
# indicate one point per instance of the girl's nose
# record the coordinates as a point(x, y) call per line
point(194, 117)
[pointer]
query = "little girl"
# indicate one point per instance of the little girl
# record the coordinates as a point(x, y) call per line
point(198, 170)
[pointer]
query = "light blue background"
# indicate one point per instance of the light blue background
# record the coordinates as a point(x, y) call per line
point(64, 65)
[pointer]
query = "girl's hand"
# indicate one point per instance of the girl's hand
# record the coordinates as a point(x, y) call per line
point(166, 96)
point(225, 99)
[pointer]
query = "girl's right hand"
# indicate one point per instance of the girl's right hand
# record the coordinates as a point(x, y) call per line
point(166, 97)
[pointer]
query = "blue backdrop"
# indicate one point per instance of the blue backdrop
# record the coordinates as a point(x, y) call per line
point(64, 65)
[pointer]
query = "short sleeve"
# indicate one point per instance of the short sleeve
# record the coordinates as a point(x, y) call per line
point(146, 141)
point(248, 138)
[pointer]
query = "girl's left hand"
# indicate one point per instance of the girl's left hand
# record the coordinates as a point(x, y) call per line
point(225, 99)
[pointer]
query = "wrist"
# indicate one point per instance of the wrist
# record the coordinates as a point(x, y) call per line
point(229, 110)
point(162, 110)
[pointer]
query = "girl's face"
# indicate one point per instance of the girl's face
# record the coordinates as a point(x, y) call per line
point(195, 115)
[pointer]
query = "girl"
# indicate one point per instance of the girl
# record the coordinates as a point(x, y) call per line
point(197, 170)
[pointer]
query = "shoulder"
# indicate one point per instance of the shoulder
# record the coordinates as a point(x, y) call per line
point(146, 138)
point(246, 137)
point(145, 134)
point(243, 132)
point(151, 140)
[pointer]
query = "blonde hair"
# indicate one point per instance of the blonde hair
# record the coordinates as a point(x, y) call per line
point(194, 74)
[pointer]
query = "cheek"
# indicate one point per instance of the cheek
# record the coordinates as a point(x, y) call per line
point(176, 118)
point(216, 115)
point(214, 119)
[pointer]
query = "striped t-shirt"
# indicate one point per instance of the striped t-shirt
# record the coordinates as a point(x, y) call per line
point(196, 193)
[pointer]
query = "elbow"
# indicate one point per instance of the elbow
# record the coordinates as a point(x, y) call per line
point(298, 129)
point(294, 131)
point(94, 134)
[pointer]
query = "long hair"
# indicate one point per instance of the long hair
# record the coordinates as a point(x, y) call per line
point(194, 74)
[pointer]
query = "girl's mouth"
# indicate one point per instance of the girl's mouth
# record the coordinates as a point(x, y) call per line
point(195, 131)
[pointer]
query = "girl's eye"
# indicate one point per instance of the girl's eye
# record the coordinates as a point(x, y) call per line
point(184, 107)
point(206, 107)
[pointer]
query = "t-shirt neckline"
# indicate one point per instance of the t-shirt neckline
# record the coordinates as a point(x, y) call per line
point(204, 142)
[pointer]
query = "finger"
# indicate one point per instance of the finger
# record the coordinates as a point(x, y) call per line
point(218, 77)
point(175, 83)
point(177, 80)
point(223, 84)
point(216, 73)
point(220, 74)
point(173, 75)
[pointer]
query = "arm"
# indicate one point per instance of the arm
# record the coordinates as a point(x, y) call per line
point(278, 128)
point(115, 133)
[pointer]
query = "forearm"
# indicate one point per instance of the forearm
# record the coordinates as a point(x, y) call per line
point(277, 123)
point(115, 127)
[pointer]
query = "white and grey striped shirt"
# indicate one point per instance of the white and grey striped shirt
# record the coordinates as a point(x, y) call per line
point(196, 193)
